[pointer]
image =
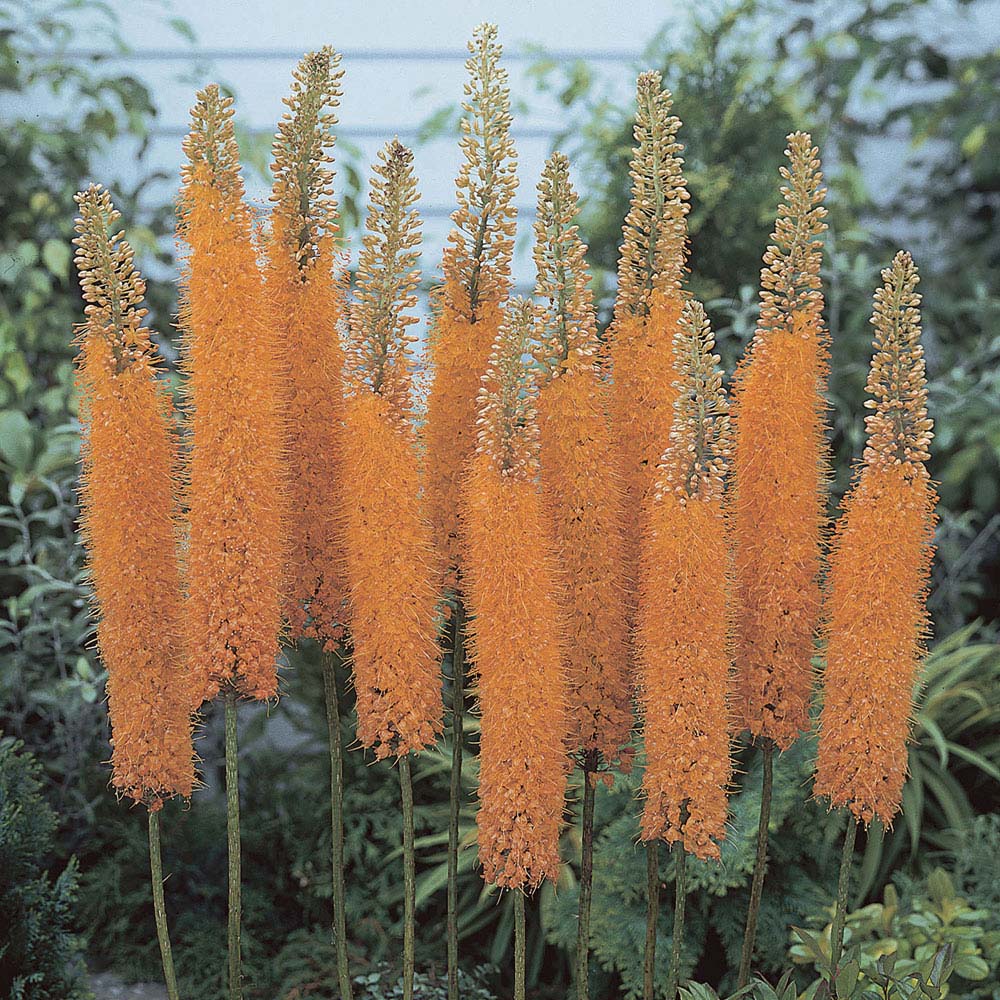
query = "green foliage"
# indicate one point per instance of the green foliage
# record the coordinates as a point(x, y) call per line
point(39, 956)
point(46, 158)
point(51, 685)
point(954, 759)
point(976, 864)
point(384, 985)
point(927, 983)
point(801, 876)
point(905, 939)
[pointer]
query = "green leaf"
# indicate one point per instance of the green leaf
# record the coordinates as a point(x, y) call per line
point(974, 140)
point(56, 256)
point(971, 967)
point(16, 439)
point(183, 28)
point(847, 979)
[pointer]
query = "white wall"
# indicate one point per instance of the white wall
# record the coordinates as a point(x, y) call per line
point(403, 61)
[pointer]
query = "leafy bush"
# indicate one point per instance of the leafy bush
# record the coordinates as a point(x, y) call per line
point(39, 956)
point(901, 937)
point(954, 759)
point(51, 685)
point(930, 982)
point(381, 985)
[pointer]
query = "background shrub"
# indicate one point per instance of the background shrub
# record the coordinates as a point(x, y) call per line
point(39, 954)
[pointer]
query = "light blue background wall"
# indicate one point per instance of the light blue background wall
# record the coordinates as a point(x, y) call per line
point(403, 61)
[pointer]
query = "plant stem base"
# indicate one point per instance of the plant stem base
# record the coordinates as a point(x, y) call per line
point(233, 833)
point(760, 863)
point(652, 912)
point(455, 799)
point(337, 823)
point(409, 877)
point(159, 907)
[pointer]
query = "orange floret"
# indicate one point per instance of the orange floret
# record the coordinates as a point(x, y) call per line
point(391, 567)
point(877, 589)
point(685, 599)
point(306, 284)
point(780, 487)
point(517, 627)
point(477, 277)
point(581, 486)
point(651, 266)
point(237, 475)
point(129, 517)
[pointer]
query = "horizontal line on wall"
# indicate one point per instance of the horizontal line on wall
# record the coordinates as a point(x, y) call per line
point(355, 55)
point(386, 132)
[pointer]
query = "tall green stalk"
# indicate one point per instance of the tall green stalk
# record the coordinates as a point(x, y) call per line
point(843, 889)
point(455, 801)
point(159, 907)
point(652, 912)
point(233, 832)
point(409, 877)
point(519, 945)
point(680, 898)
point(589, 768)
point(337, 822)
point(760, 863)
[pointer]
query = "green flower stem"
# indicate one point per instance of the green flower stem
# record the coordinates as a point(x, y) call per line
point(455, 800)
point(586, 879)
point(337, 822)
point(760, 863)
point(652, 911)
point(409, 877)
point(233, 832)
point(680, 897)
point(843, 888)
point(159, 907)
point(519, 947)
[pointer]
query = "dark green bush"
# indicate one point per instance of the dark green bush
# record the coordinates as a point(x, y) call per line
point(39, 954)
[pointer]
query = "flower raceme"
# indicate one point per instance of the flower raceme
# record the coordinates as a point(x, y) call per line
point(648, 305)
point(388, 543)
point(130, 517)
point(581, 486)
point(780, 487)
point(477, 264)
point(684, 617)
point(517, 626)
point(306, 284)
point(876, 617)
point(236, 557)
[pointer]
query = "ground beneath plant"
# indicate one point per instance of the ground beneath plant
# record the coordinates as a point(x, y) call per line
point(107, 986)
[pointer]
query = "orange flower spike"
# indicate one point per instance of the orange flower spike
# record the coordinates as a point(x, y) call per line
point(389, 547)
point(517, 628)
point(477, 263)
point(781, 456)
point(651, 266)
point(237, 474)
point(306, 282)
point(876, 617)
point(580, 485)
point(683, 632)
point(130, 519)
